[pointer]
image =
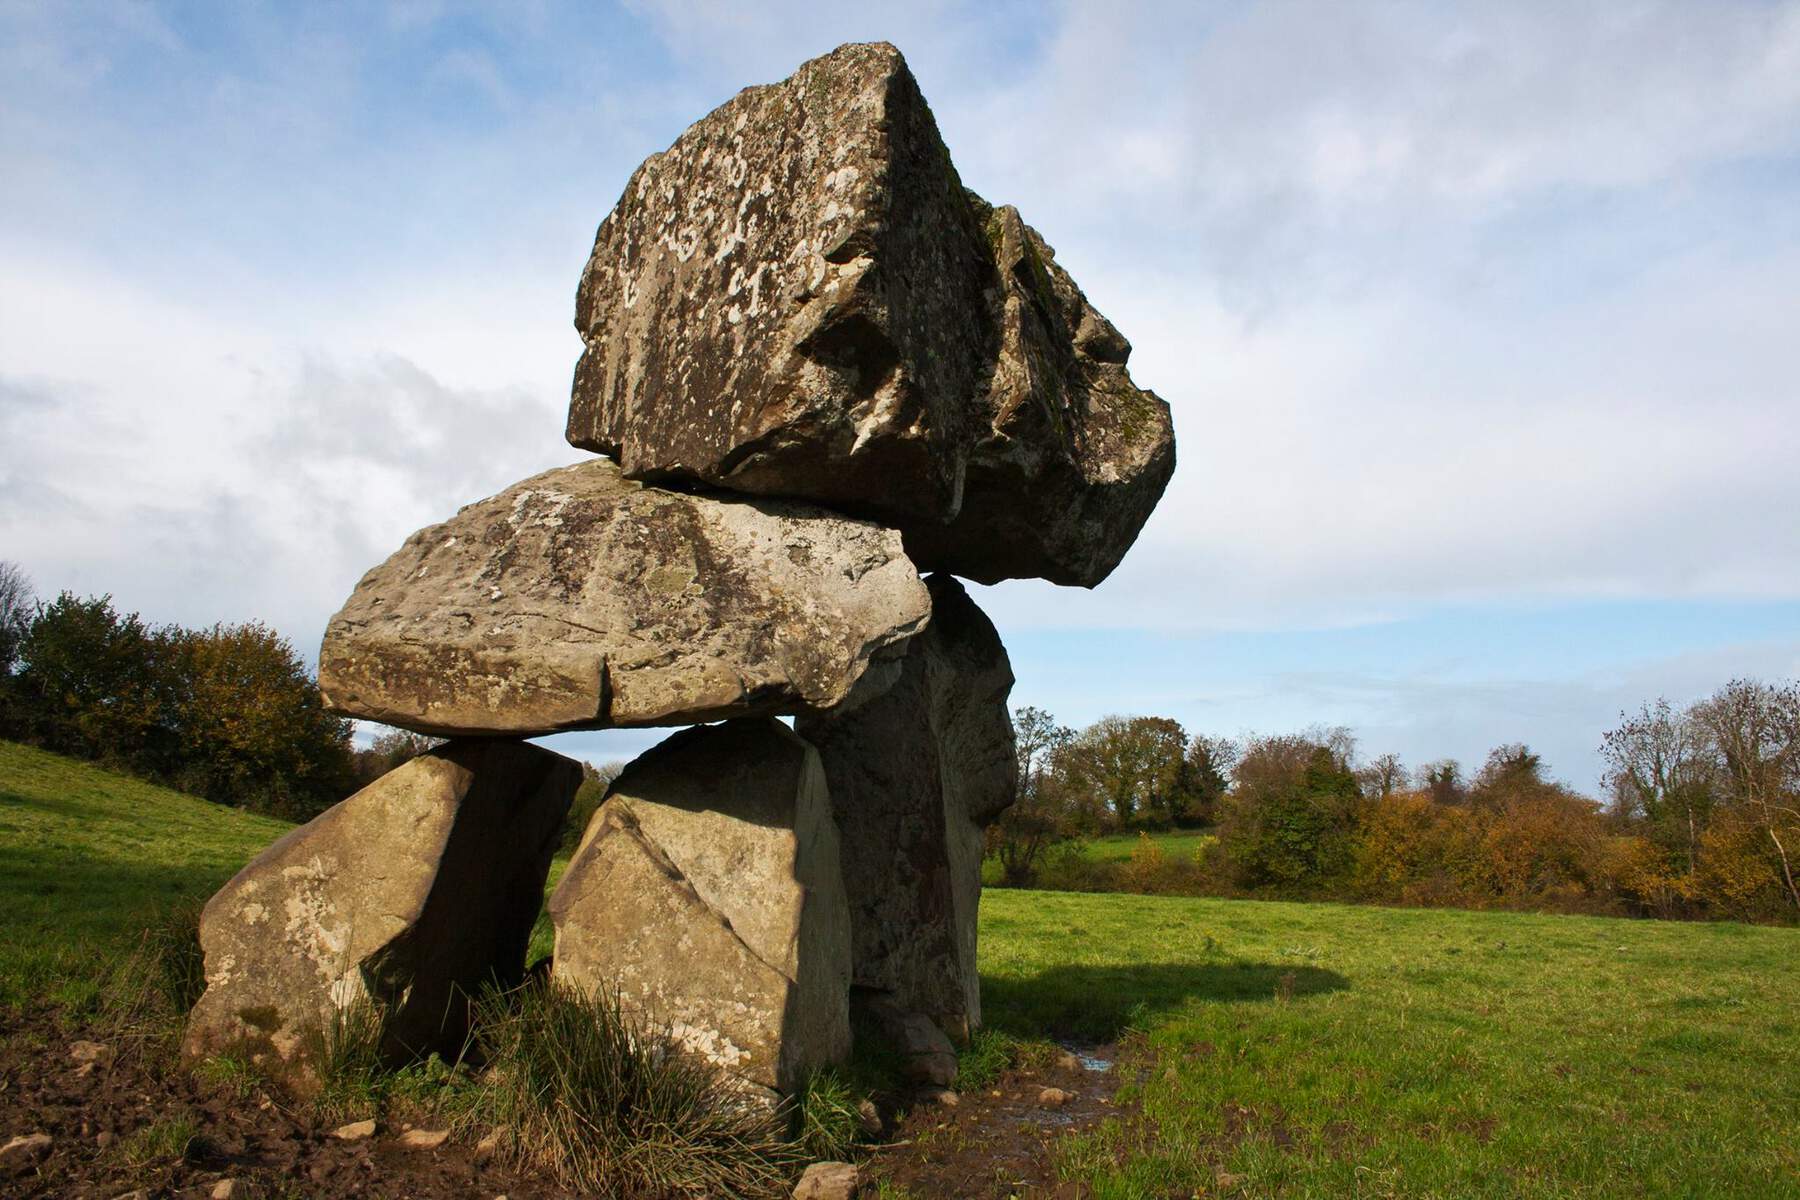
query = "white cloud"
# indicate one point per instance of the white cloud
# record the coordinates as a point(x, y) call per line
point(1472, 304)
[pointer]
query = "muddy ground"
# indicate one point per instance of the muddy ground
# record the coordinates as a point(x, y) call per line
point(104, 1116)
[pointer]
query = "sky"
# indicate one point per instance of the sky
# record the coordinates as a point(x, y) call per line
point(1480, 323)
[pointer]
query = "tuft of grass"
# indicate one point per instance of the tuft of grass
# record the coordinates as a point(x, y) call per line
point(142, 999)
point(161, 1141)
point(587, 1097)
point(826, 1121)
point(989, 1054)
point(231, 1075)
point(352, 1071)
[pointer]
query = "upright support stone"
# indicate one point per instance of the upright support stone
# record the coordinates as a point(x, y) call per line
point(410, 895)
point(708, 897)
point(915, 775)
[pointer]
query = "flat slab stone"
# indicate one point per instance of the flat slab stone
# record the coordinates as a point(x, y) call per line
point(916, 775)
point(707, 895)
point(395, 905)
point(579, 599)
point(800, 298)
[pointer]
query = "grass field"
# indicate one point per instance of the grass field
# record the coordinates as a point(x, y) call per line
point(88, 856)
point(1117, 847)
point(1275, 1049)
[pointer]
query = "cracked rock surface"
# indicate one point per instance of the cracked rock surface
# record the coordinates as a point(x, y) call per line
point(707, 892)
point(579, 599)
point(916, 775)
point(800, 298)
point(404, 898)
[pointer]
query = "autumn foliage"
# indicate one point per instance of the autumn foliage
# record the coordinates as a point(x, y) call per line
point(1703, 818)
point(230, 713)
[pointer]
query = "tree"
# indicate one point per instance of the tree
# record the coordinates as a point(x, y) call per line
point(389, 749)
point(1291, 817)
point(1209, 764)
point(1134, 767)
point(1754, 732)
point(95, 684)
point(1509, 770)
point(16, 606)
point(1383, 777)
point(15, 614)
point(1442, 780)
point(252, 729)
point(1039, 817)
point(1660, 772)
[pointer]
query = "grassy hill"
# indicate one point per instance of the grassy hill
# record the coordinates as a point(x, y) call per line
point(88, 857)
point(1267, 1049)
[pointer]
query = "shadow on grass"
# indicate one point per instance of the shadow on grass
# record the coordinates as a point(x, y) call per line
point(1098, 1003)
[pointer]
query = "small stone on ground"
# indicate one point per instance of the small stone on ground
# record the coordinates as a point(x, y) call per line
point(27, 1148)
point(828, 1181)
point(1052, 1097)
point(424, 1139)
point(354, 1131)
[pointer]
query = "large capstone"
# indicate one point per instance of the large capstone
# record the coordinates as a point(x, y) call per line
point(707, 897)
point(384, 915)
point(916, 775)
point(579, 599)
point(800, 298)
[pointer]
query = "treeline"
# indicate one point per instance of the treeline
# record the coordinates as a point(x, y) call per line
point(229, 713)
point(1700, 819)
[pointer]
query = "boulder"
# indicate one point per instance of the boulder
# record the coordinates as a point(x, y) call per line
point(387, 912)
point(915, 775)
point(579, 599)
point(707, 895)
point(799, 298)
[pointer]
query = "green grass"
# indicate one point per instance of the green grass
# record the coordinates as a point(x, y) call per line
point(89, 858)
point(1117, 847)
point(1281, 1049)
point(1327, 1050)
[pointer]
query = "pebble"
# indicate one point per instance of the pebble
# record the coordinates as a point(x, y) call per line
point(354, 1131)
point(424, 1139)
point(27, 1148)
point(943, 1097)
point(1052, 1097)
point(828, 1181)
point(225, 1189)
point(89, 1052)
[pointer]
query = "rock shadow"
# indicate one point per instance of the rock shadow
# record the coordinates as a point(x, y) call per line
point(1098, 1003)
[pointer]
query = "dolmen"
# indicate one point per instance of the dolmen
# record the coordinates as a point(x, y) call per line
point(822, 380)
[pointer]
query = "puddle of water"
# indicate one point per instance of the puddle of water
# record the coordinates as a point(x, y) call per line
point(1088, 1061)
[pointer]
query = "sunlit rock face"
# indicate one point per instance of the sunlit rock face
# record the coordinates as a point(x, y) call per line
point(392, 907)
point(800, 298)
point(579, 599)
point(707, 897)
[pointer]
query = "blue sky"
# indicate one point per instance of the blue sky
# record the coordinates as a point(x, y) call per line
point(1478, 321)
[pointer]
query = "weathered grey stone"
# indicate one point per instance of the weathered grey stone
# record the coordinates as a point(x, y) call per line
point(394, 906)
point(800, 298)
point(707, 895)
point(579, 599)
point(915, 775)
